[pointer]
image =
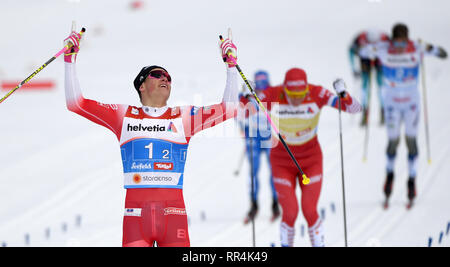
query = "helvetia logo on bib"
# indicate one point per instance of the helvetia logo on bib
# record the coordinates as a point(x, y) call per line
point(141, 128)
point(172, 128)
point(152, 128)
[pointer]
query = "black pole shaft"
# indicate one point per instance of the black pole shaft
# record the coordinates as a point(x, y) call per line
point(290, 153)
point(28, 78)
point(342, 172)
point(252, 175)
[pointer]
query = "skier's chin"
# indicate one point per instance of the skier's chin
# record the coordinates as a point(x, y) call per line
point(164, 92)
point(296, 101)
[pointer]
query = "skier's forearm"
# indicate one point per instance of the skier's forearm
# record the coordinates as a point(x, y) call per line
point(433, 50)
point(439, 52)
point(350, 104)
point(231, 91)
point(71, 86)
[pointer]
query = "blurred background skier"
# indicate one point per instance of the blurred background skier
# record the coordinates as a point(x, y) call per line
point(295, 106)
point(257, 131)
point(364, 68)
point(400, 60)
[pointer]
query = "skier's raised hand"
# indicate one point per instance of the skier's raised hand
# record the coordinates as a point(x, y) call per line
point(340, 87)
point(228, 50)
point(73, 42)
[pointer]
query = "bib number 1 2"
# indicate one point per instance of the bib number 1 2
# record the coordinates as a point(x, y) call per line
point(165, 152)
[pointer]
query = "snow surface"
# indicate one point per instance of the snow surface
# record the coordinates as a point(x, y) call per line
point(57, 167)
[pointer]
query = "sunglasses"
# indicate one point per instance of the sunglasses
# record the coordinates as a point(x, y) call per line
point(157, 74)
point(297, 94)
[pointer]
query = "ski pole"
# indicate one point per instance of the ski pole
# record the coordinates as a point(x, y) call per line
point(342, 172)
point(425, 106)
point(65, 48)
point(252, 177)
point(241, 161)
point(305, 179)
point(366, 132)
point(366, 140)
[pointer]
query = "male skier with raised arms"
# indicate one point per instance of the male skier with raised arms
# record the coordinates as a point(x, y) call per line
point(153, 140)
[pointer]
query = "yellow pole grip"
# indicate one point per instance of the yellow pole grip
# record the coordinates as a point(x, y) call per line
point(306, 180)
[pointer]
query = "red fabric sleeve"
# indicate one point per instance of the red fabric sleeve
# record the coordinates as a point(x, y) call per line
point(107, 115)
point(324, 97)
point(196, 119)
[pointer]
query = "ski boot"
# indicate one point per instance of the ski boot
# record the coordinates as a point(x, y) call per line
point(388, 188)
point(411, 192)
point(252, 213)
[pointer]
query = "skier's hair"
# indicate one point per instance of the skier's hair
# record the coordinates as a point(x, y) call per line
point(399, 30)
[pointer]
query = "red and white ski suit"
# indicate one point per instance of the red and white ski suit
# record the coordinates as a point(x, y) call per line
point(153, 144)
point(298, 126)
